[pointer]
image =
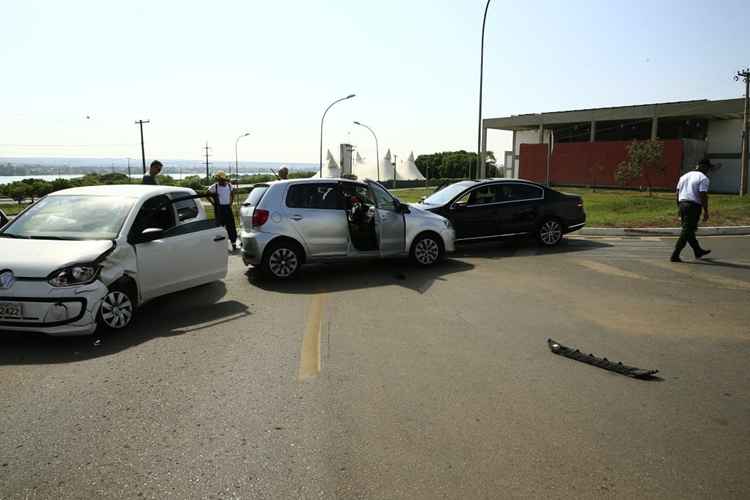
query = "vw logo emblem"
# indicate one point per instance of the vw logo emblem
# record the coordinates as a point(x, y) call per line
point(7, 279)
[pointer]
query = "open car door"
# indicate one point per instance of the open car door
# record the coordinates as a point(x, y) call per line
point(389, 221)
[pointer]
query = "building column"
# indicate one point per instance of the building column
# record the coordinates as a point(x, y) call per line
point(654, 128)
point(513, 169)
point(592, 137)
point(541, 134)
point(483, 155)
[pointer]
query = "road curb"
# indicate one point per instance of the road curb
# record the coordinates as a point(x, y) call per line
point(663, 231)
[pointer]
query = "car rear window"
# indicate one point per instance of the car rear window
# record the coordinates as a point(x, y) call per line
point(315, 196)
point(256, 194)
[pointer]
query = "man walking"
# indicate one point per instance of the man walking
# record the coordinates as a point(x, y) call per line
point(153, 170)
point(222, 199)
point(692, 198)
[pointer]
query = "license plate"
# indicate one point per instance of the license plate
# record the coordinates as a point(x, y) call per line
point(11, 310)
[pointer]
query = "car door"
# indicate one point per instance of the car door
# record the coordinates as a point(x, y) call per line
point(174, 257)
point(317, 214)
point(474, 214)
point(389, 221)
point(520, 207)
point(201, 240)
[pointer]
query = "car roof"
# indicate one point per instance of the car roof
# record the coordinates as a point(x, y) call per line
point(122, 190)
point(312, 180)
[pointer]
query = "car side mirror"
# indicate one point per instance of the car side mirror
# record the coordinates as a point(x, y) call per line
point(458, 206)
point(151, 234)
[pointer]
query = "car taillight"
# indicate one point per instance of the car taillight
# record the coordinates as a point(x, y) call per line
point(580, 203)
point(260, 217)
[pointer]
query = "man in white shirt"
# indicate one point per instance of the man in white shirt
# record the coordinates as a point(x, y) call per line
point(692, 198)
point(222, 199)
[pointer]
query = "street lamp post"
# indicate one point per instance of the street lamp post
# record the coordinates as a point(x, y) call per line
point(321, 128)
point(236, 159)
point(481, 76)
point(377, 150)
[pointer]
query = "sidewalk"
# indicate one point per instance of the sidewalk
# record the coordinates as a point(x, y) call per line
point(662, 231)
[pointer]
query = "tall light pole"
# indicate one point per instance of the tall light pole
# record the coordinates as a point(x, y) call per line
point(377, 150)
point(321, 128)
point(481, 76)
point(143, 149)
point(745, 76)
point(236, 158)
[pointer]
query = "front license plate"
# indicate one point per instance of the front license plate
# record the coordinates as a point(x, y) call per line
point(11, 310)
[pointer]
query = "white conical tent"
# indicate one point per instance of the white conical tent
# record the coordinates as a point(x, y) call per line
point(386, 168)
point(331, 170)
point(410, 172)
point(364, 169)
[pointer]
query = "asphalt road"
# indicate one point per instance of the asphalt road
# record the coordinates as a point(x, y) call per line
point(379, 380)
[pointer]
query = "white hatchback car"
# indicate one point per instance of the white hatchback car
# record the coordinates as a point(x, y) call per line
point(87, 257)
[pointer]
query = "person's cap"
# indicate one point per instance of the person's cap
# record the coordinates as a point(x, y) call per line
point(221, 176)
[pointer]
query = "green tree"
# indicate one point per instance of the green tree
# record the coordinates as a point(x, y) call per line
point(645, 159)
point(18, 191)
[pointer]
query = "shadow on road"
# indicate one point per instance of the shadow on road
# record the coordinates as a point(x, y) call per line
point(337, 277)
point(176, 314)
point(526, 247)
point(718, 263)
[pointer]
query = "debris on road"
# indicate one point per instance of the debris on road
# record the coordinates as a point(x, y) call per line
point(617, 367)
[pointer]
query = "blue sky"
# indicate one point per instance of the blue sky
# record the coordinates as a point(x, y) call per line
point(207, 71)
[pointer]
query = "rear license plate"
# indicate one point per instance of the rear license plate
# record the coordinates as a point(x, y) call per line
point(12, 310)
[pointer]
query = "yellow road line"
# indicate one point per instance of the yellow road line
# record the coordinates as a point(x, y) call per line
point(600, 267)
point(309, 361)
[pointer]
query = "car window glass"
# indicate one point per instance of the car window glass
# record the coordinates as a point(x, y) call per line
point(483, 196)
point(157, 213)
point(383, 200)
point(313, 196)
point(520, 192)
point(186, 210)
point(464, 200)
point(253, 198)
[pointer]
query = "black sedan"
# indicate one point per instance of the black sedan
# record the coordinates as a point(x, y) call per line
point(497, 208)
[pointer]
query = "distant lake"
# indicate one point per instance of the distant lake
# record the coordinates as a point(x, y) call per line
point(8, 179)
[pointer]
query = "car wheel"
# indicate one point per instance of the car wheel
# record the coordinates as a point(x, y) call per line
point(550, 232)
point(282, 261)
point(117, 309)
point(427, 250)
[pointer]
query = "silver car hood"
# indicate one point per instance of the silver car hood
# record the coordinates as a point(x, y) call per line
point(38, 258)
point(420, 210)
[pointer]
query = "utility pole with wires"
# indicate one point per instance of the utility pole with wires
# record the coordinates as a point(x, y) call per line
point(208, 173)
point(745, 76)
point(143, 150)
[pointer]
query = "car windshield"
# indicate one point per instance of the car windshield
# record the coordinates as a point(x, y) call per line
point(72, 218)
point(447, 193)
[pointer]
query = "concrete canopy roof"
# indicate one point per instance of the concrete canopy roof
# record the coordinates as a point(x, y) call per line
point(722, 110)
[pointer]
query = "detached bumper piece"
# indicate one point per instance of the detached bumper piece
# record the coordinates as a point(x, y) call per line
point(617, 367)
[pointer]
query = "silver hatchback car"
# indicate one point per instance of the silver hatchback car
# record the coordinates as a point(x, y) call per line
point(288, 223)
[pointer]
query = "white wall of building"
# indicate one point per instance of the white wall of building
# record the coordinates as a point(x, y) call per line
point(724, 136)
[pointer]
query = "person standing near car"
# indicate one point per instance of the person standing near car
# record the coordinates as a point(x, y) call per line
point(153, 170)
point(692, 199)
point(283, 173)
point(222, 198)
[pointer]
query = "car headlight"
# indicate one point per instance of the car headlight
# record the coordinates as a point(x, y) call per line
point(81, 274)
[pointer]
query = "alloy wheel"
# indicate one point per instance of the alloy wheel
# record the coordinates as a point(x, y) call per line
point(426, 251)
point(550, 232)
point(283, 262)
point(117, 310)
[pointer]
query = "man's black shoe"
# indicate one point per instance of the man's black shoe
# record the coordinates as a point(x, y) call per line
point(702, 253)
point(675, 259)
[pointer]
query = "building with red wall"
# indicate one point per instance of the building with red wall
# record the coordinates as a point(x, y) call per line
point(584, 147)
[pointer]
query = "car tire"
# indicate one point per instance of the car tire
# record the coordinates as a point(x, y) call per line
point(427, 250)
point(282, 260)
point(550, 232)
point(117, 309)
